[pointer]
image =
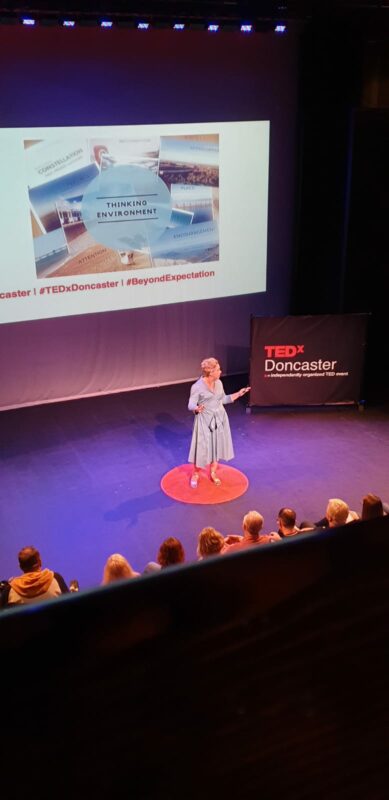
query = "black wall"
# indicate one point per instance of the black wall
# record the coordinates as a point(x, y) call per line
point(343, 204)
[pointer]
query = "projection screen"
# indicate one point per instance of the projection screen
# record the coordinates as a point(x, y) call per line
point(106, 218)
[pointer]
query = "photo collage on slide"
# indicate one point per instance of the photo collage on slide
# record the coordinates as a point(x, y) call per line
point(110, 204)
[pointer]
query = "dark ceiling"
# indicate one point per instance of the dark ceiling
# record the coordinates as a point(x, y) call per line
point(192, 10)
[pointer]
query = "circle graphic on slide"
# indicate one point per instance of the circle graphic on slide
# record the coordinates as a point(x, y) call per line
point(126, 207)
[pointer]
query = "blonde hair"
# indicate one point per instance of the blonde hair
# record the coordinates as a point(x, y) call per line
point(208, 364)
point(337, 511)
point(252, 522)
point(117, 568)
point(210, 542)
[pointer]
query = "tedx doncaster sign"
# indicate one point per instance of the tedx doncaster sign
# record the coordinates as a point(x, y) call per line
point(307, 360)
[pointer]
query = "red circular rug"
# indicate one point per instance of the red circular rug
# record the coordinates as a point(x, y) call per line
point(176, 484)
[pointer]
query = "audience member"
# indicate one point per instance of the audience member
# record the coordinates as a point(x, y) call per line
point(170, 553)
point(286, 525)
point(337, 512)
point(117, 568)
point(35, 584)
point(252, 526)
point(210, 543)
point(372, 507)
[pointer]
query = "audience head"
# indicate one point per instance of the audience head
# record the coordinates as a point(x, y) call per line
point(210, 543)
point(171, 552)
point(372, 507)
point(30, 559)
point(252, 523)
point(337, 512)
point(287, 518)
point(117, 568)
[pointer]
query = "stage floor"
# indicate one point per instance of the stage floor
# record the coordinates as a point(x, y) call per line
point(81, 480)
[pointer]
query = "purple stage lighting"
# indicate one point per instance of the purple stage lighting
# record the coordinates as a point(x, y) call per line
point(178, 26)
point(246, 28)
point(213, 28)
point(106, 23)
point(280, 28)
point(143, 26)
point(28, 21)
point(68, 23)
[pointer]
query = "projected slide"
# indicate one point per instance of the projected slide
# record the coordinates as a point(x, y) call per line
point(98, 219)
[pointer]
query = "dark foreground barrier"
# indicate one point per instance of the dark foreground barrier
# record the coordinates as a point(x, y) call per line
point(259, 675)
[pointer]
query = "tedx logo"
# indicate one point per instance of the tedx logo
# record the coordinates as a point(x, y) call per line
point(283, 350)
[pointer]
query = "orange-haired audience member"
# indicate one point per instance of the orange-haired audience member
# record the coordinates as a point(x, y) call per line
point(372, 507)
point(210, 543)
point(117, 568)
point(170, 553)
point(252, 526)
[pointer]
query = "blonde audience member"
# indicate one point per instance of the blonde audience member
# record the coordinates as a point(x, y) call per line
point(117, 568)
point(337, 512)
point(210, 543)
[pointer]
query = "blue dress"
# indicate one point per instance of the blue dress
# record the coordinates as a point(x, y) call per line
point(211, 437)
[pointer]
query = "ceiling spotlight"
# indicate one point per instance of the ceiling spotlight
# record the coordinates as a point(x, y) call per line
point(106, 23)
point(213, 28)
point(280, 28)
point(179, 26)
point(246, 28)
point(143, 26)
point(68, 23)
point(28, 21)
